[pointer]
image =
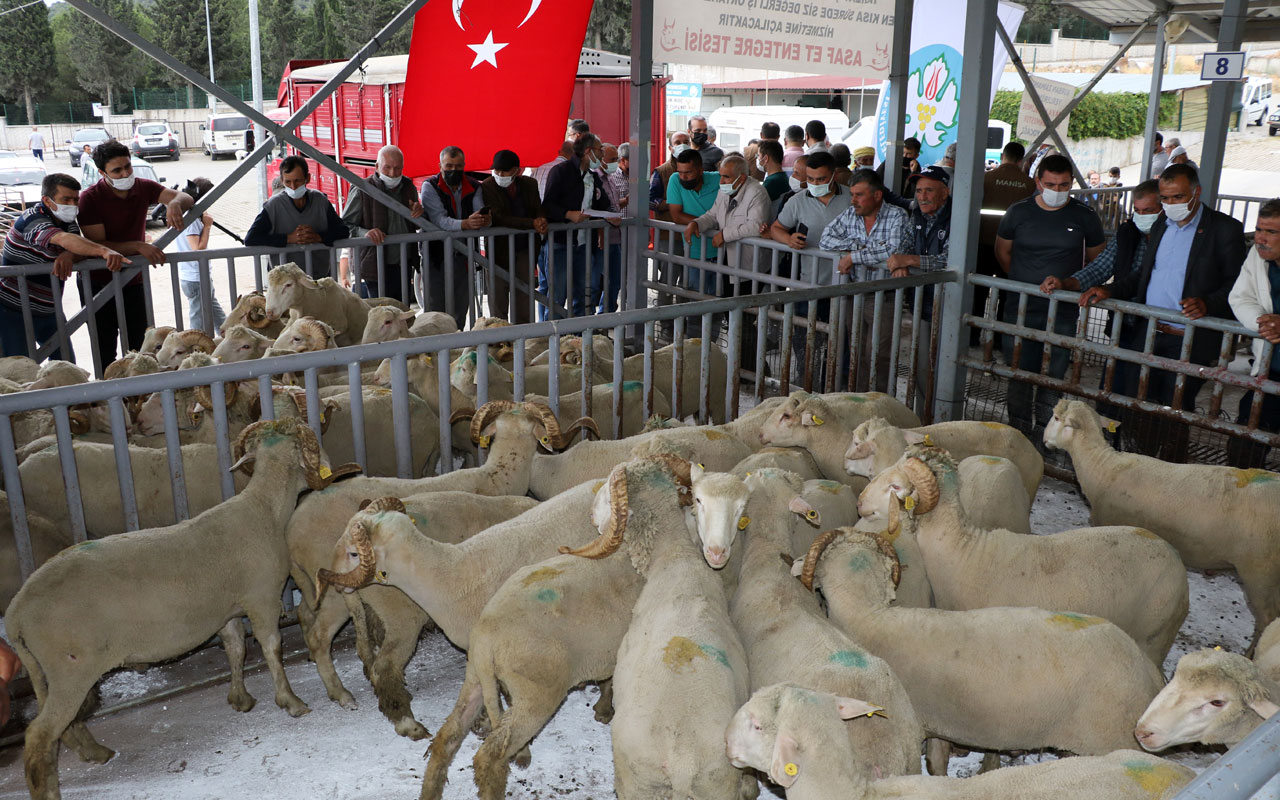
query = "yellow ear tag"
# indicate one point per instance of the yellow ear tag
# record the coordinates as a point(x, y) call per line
point(1218, 647)
point(599, 485)
point(1111, 427)
point(909, 503)
point(381, 576)
point(791, 769)
point(748, 475)
point(928, 440)
point(743, 522)
point(702, 467)
point(325, 472)
point(817, 420)
point(484, 441)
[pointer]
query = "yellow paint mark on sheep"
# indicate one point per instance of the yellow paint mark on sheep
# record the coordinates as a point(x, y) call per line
point(680, 653)
point(1154, 779)
point(1244, 477)
point(991, 460)
point(830, 487)
point(1076, 621)
point(995, 426)
point(715, 435)
point(540, 574)
point(1144, 533)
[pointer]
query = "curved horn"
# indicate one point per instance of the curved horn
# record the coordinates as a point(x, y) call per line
point(79, 421)
point(579, 424)
point(241, 445)
point(204, 394)
point(201, 339)
point(886, 549)
point(548, 419)
point(386, 504)
point(361, 575)
point(485, 414)
point(815, 553)
point(611, 539)
point(925, 482)
point(255, 315)
point(459, 414)
point(326, 415)
point(310, 447)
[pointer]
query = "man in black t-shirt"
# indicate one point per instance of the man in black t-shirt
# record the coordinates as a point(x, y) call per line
point(1048, 234)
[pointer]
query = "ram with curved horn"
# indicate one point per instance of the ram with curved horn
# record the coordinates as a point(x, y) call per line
point(180, 345)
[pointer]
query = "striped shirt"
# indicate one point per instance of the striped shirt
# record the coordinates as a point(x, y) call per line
point(29, 241)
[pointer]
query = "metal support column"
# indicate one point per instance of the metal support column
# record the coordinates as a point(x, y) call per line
point(637, 212)
point(1230, 36)
point(899, 73)
point(1153, 102)
point(966, 204)
point(1030, 88)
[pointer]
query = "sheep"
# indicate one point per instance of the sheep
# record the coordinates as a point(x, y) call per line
point(1188, 505)
point(158, 593)
point(511, 433)
point(19, 369)
point(241, 343)
point(178, 346)
point(35, 428)
point(378, 302)
point(537, 379)
point(1124, 574)
point(989, 678)
point(47, 540)
point(526, 644)
point(58, 373)
point(130, 365)
point(822, 424)
point(251, 311)
point(795, 735)
point(1215, 697)
point(571, 351)
point(787, 637)
point(424, 381)
point(791, 459)
point(153, 338)
point(602, 402)
point(988, 484)
point(876, 444)
point(688, 403)
point(379, 432)
point(680, 651)
point(387, 323)
point(289, 288)
point(305, 335)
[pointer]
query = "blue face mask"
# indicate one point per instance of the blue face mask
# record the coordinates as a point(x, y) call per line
point(593, 164)
point(727, 189)
point(609, 169)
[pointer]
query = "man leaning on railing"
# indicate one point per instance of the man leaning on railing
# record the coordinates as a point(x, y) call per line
point(1255, 299)
point(45, 232)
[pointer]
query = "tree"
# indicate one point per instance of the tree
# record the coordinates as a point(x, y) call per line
point(610, 26)
point(278, 27)
point(326, 42)
point(359, 20)
point(27, 66)
point(180, 30)
point(104, 62)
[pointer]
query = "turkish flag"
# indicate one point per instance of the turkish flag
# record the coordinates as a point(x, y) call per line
point(490, 75)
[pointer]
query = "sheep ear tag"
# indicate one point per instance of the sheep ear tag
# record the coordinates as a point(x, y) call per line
point(325, 472)
point(743, 522)
point(909, 503)
point(1112, 425)
point(810, 419)
point(928, 440)
point(380, 576)
point(545, 441)
point(791, 769)
point(484, 441)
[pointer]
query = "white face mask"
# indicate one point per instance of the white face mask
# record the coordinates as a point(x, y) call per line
point(298, 193)
point(678, 149)
point(1178, 212)
point(819, 189)
point(760, 165)
point(123, 184)
point(65, 213)
point(1054, 199)
point(390, 181)
point(503, 180)
point(1145, 221)
point(728, 188)
point(794, 183)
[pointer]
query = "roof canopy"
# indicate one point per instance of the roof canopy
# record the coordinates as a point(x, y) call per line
point(1122, 17)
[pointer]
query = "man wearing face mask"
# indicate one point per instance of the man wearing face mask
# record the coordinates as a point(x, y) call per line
point(1191, 263)
point(513, 200)
point(299, 216)
point(572, 189)
point(370, 218)
point(1123, 252)
point(864, 158)
point(1049, 235)
point(44, 232)
point(814, 208)
point(711, 154)
point(769, 162)
point(452, 202)
point(113, 213)
point(678, 142)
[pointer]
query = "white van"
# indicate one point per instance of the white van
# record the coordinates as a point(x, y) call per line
point(1256, 101)
point(737, 125)
point(224, 134)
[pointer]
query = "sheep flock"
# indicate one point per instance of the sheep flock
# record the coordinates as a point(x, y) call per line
point(819, 599)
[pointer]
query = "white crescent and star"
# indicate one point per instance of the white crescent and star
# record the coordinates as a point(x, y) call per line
point(487, 50)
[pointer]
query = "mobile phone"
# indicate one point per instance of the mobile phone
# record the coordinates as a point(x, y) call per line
point(484, 210)
point(803, 230)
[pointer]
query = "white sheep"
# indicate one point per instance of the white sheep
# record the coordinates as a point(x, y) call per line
point(1188, 505)
point(1215, 697)
point(424, 382)
point(787, 637)
point(130, 365)
point(153, 338)
point(180, 344)
point(306, 335)
point(47, 540)
point(58, 373)
point(689, 401)
point(796, 736)
point(876, 444)
point(251, 311)
point(462, 373)
point(996, 679)
point(823, 423)
point(387, 323)
point(18, 369)
point(1124, 574)
point(791, 459)
point(291, 289)
point(157, 593)
point(379, 432)
point(241, 343)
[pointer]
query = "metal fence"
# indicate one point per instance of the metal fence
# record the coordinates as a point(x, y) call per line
point(1114, 205)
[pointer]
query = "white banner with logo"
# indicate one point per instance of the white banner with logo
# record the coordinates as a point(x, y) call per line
point(1055, 95)
point(933, 88)
point(830, 37)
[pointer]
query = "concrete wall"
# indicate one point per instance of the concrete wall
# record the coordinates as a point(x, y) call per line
point(184, 121)
point(1102, 154)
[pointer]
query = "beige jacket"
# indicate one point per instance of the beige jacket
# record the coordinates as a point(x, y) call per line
point(750, 212)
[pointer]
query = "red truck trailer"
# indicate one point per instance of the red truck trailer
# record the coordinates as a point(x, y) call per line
point(364, 114)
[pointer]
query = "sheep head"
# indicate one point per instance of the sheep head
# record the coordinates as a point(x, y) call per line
point(306, 335)
point(153, 338)
point(1072, 418)
point(178, 346)
point(355, 549)
point(314, 463)
point(285, 286)
point(913, 484)
point(387, 323)
point(611, 509)
point(718, 513)
point(58, 373)
point(250, 310)
point(771, 487)
point(767, 732)
point(871, 543)
point(241, 343)
point(874, 446)
point(291, 402)
point(794, 423)
point(1215, 697)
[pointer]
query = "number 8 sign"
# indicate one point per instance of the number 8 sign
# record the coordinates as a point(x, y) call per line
point(1222, 66)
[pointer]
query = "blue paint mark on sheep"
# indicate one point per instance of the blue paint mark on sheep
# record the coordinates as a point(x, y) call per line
point(548, 596)
point(419, 520)
point(716, 653)
point(849, 658)
point(860, 561)
point(630, 387)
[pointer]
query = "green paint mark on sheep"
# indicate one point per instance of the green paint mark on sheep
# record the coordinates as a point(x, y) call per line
point(830, 487)
point(1245, 477)
point(419, 521)
point(860, 561)
point(717, 654)
point(539, 575)
point(631, 387)
point(548, 596)
point(88, 544)
point(849, 658)
point(1076, 621)
point(680, 653)
point(1154, 779)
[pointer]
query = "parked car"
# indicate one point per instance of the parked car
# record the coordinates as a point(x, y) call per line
point(1256, 100)
point(224, 134)
point(143, 169)
point(155, 139)
point(20, 173)
point(90, 136)
point(1273, 123)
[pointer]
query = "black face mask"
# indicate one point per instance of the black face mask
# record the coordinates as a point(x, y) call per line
point(691, 185)
point(453, 177)
point(699, 139)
